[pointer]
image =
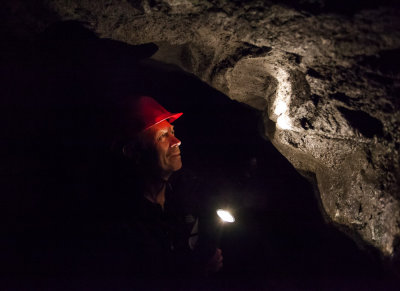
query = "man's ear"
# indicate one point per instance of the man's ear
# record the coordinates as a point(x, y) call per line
point(131, 152)
point(128, 151)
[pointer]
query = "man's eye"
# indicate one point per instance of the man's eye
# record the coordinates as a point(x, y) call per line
point(163, 135)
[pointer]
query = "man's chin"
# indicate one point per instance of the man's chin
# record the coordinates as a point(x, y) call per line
point(177, 166)
point(172, 163)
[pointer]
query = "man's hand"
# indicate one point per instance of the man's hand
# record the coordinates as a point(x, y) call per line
point(215, 263)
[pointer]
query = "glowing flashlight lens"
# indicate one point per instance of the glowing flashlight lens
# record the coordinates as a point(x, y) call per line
point(225, 215)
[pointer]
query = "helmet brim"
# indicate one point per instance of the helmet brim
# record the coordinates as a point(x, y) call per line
point(170, 117)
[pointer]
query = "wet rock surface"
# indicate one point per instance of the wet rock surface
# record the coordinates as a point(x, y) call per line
point(325, 76)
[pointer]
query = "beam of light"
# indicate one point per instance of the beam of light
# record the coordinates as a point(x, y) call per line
point(282, 100)
point(225, 216)
point(280, 108)
point(284, 122)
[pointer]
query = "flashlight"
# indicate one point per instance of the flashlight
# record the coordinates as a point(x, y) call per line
point(225, 216)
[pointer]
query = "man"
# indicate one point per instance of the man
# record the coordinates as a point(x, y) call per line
point(152, 146)
point(161, 214)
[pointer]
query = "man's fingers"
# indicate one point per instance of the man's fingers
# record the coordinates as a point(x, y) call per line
point(218, 255)
point(219, 258)
point(215, 263)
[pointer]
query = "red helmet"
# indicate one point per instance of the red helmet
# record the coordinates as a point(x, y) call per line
point(149, 112)
point(137, 114)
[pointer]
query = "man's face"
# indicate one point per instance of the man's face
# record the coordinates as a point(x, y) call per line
point(162, 137)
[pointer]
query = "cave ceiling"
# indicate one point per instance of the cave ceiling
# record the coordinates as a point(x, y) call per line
point(325, 75)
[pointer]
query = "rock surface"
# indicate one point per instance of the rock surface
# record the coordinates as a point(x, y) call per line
point(325, 76)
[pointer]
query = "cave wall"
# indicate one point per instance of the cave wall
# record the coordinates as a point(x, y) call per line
point(326, 80)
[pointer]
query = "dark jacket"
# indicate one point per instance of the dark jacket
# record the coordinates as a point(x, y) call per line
point(144, 243)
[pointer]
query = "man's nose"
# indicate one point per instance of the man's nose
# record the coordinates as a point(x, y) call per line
point(175, 142)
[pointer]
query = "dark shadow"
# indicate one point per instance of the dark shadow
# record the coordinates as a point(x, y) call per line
point(366, 124)
point(341, 7)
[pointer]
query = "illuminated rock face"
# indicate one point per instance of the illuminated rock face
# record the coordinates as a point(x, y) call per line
point(327, 83)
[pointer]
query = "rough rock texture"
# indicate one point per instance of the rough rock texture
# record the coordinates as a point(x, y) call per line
point(326, 77)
